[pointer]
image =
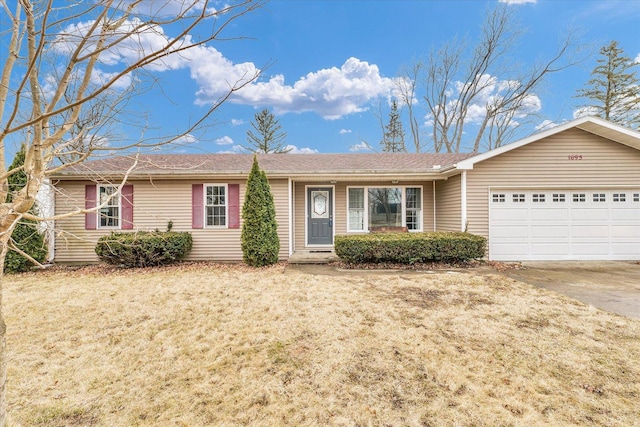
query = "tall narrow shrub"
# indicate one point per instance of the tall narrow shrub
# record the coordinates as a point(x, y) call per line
point(260, 243)
point(25, 236)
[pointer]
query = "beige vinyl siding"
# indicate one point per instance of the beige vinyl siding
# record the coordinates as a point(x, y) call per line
point(155, 204)
point(546, 164)
point(340, 208)
point(448, 205)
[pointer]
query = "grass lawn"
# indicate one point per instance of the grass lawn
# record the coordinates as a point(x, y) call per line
point(203, 344)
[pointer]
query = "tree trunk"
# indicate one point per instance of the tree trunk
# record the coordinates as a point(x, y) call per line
point(4, 240)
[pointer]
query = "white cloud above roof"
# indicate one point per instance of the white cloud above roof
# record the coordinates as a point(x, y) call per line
point(295, 150)
point(331, 92)
point(344, 131)
point(225, 140)
point(361, 146)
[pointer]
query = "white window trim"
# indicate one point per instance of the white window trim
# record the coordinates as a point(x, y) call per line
point(403, 204)
point(116, 196)
point(226, 204)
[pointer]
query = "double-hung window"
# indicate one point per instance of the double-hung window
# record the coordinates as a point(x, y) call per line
point(373, 207)
point(216, 205)
point(356, 209)
point(110, 210)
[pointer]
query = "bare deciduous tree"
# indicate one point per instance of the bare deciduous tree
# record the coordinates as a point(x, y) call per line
point(407, 85)
point(70, 70)
point(477, 91)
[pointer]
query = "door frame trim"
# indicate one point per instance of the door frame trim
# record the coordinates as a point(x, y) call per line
point(306, 215)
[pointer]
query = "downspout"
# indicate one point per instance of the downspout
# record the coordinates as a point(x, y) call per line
point(50, 210)
point(290, 185)
point(434, 206)
point(463, 200)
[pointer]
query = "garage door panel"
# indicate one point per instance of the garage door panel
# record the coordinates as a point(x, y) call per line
point(590, 248)
point(549, 214)
point(511, 214)
point(625, 232)
point(631, 249)
point(589, 214)
point(583, 225)
point(510, 232)
point(626, 214)
point(590, 231)
point(511, 251)
point(556, 249)
point(549, 231)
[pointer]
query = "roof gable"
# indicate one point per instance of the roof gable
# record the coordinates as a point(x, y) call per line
point(594, 125)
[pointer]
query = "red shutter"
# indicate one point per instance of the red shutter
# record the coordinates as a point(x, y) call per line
point(90, 197)
point(197, 208)
point(234, 206)
point(126, 202)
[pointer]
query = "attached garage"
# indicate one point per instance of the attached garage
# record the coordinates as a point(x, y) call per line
point(598, 224)
point(568, 193)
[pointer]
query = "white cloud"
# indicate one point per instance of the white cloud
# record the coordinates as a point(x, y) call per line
point(186, 139)
point(236, 149)
point(517, 1)
point(491, 92)
point(344, 131)
point(546, 124)
point(237, 122)
point(295, 150)
point(638, 59)
point(361, 146)
point(585, 111)
point(331, 92)
point(225, 140)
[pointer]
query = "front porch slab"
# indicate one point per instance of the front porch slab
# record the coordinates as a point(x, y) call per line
point(313, 257)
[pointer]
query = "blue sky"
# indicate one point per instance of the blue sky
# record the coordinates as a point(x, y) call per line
point(332, 65)
point(333, 41)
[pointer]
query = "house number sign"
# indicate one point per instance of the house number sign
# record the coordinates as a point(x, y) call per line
point(575, 156)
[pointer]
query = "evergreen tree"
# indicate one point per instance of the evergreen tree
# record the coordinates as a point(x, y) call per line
point(393, 136)
point(614, 89)
point(260, 242)
point(268, 136)
point(26, 236)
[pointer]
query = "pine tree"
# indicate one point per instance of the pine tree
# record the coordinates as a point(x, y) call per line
point(393, 137)
point(614, 89)
point(268, 136)
point(26, 236)
point(260, 242)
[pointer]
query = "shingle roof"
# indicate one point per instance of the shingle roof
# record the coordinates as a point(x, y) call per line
point(275, 164)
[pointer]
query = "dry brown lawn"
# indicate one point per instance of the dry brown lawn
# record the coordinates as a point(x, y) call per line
point(203, 344)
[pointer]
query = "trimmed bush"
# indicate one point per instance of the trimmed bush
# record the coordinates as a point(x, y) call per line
point(143, 248)
point(260, 242)
point(410, 248)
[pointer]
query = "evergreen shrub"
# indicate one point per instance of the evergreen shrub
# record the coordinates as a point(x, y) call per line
point(144, 248)
point(410, 248)
point(260, 242)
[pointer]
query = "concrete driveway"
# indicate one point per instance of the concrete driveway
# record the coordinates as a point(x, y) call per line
point(613, 286)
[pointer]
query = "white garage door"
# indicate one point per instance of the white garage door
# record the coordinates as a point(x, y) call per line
point(531, 225)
